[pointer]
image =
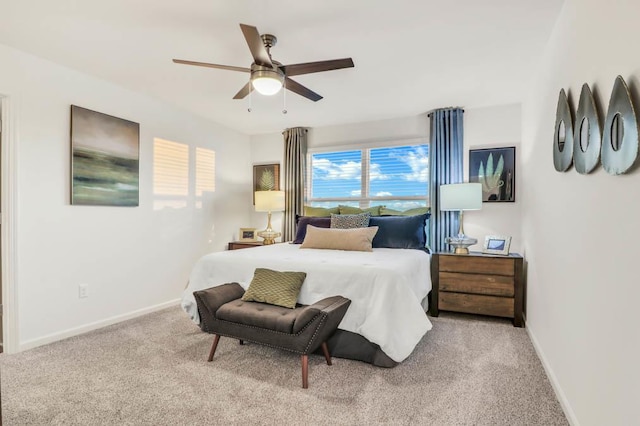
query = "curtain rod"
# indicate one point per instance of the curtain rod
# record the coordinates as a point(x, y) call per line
point(289, 128)
point(429, 113)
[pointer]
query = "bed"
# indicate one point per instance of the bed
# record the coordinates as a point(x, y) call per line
point(388, 289)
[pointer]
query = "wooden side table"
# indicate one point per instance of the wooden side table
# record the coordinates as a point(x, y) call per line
point(237, 245)
point(478, 283)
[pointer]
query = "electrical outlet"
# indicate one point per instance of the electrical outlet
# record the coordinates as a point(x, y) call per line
point(83, 291)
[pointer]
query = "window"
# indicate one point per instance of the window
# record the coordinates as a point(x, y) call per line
point(396, 177)
point(173, 181)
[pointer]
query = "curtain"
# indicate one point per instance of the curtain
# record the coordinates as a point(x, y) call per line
point(295, 155)
point(445, 166)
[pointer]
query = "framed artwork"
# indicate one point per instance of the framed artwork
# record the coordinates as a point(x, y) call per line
point(247, 234)
point(496, 244)
point(495, 169)
point(266, 177)
point(105, 155)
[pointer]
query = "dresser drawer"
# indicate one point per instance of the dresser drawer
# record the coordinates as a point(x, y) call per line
point(494, 285)
point(477, 265)
point(476, 304)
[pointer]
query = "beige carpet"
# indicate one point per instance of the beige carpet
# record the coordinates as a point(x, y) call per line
point(153, 371)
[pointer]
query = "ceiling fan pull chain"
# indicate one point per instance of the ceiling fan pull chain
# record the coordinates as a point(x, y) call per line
point(284, 97)
point(250, 100)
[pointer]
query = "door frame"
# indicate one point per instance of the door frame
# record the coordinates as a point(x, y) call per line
point(8, 240)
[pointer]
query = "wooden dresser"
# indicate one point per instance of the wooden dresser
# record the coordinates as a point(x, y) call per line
point(478, 283)
point(237, 245)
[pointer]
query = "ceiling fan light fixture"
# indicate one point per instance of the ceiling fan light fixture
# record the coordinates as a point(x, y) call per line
point(267, 82)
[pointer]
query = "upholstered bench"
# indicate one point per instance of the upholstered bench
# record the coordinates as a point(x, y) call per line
point(303, 329)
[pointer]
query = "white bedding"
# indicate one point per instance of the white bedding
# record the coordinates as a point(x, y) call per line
point(386, 286)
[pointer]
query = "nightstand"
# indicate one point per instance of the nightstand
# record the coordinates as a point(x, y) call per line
point(237, 245)
point(478, 283)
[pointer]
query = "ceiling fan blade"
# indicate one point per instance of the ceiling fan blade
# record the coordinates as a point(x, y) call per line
point(256, 46)
point(301, 90)
point(208, 65)
point(242, 93)
point(311, 67)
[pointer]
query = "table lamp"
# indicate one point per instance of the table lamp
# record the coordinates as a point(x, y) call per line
point(460, 197)
point(269, 201)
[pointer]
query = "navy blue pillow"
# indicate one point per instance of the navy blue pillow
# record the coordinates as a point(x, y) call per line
point(407, 232)
point(303, 221)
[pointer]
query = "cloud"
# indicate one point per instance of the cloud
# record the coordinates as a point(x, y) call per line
point(416, 159)
point(383, 194)
point(327, 170)
point(418, 162)
point(356, 193)
point(375, 173)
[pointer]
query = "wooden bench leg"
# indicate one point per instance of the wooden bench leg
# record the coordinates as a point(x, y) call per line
point(305, 371)
point(325, 351)
point(213, 347)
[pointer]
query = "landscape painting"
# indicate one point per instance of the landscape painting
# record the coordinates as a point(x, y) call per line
point(105, 154)
point(495, 169)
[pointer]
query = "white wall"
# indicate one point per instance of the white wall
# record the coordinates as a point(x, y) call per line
point(483, 128)
point(269, 148)
point(492, 127)
point(580, 232)
point(132, 258)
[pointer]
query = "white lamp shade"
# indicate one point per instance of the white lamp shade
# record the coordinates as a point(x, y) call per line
point(461, 196)
point(269, 201)
point(267, 85)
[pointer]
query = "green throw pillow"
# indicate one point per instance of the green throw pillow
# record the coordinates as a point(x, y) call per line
point(411, 212)
point(275, 287)
point(374, 211)
point(319, 211)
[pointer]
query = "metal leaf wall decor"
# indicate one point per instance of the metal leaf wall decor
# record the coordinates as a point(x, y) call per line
point(615, 145)
point(563, 135)
point(587, 132)
point(620, 131)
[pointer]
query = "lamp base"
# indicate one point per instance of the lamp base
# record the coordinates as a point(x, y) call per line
point(460, 244)
point(268, 236)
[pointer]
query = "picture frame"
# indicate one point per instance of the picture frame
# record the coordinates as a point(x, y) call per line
point(266, 177)
point(247, 234)
point(497, 244)
point(105, 159)
point(495, 169)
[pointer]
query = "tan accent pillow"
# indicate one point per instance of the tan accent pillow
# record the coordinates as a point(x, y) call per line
point(275, 287)
point(355, 239)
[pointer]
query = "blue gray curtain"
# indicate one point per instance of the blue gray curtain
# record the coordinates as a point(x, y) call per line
point(445, 166)
point(295, 156)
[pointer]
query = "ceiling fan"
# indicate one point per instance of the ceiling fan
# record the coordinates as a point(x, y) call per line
point(267, 75)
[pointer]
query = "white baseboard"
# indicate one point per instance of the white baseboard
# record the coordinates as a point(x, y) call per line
point(564, 402)
point(54, 337)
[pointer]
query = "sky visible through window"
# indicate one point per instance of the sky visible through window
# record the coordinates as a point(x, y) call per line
point(393, 172)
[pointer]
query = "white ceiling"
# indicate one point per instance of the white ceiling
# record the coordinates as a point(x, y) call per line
point(410, 56)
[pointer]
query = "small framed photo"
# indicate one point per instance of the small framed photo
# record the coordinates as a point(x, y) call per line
point(247, 234)
point(496, 244)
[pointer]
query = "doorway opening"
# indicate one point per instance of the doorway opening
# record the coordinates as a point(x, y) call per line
point(8, 305)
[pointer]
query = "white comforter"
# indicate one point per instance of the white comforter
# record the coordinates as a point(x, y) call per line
point(386, 286)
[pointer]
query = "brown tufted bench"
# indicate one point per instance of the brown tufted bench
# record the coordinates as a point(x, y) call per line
point(302, 330)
